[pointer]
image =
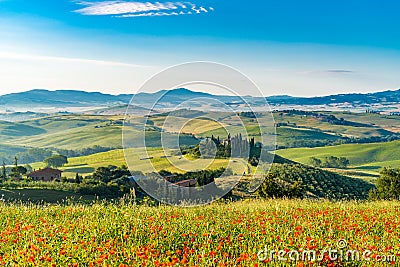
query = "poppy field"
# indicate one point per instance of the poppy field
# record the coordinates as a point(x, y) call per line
point(220, 234)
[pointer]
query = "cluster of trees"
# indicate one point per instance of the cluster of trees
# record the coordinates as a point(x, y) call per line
point(202, 177)
point(236, 147)
point(249, 114)
point(330, 162)
point(110, 181)
point(272, 187)
point(242, 148)
point(209, 148)
point(387, 185)
point(14, 172)
point(107, 174)
point(56, 161)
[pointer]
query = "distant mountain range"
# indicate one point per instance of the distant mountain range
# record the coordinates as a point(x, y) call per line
point(36, 100)
point(60, 98)
point(352, 98)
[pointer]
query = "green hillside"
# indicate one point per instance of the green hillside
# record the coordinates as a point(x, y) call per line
point(7, 150)
point(75, 138)
point(50, 131)
point(390, 123)
point(374, 124)
point(75, 132)
point(366, 157)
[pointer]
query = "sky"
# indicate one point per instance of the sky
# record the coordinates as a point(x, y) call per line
point(299, 48)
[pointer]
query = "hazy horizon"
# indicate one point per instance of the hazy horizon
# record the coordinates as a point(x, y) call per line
point(201, 91)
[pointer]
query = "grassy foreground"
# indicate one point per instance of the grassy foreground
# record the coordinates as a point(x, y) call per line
point(216, 235)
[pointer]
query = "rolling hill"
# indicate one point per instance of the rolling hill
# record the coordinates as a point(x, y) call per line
point(75, 131)
point(364, 157)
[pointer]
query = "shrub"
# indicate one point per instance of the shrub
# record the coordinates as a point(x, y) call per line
point(387, 185)
point(272, 187)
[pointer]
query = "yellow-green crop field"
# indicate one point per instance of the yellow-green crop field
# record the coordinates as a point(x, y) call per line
point(86, 165)
point(220, 234)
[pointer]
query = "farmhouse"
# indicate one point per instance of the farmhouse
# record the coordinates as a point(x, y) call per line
point(186, 183)
point(46, 174)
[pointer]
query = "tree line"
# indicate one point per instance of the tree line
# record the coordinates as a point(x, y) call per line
point(330, 162)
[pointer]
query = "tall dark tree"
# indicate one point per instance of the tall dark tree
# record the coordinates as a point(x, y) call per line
point(16, 162)
point(16, 171)
point(78, 179)
point(252, 143)
point(4, 174)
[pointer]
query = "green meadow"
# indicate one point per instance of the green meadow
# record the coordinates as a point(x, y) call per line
point(368, 158)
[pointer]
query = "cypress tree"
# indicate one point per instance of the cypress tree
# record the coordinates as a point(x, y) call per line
point(4, 175)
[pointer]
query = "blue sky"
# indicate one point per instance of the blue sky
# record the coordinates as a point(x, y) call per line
point(287, 47)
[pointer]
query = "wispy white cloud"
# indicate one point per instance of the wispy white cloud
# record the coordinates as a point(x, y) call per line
point(17, 56)
point(329, 71)
point(340, 71)
point(124, 9)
